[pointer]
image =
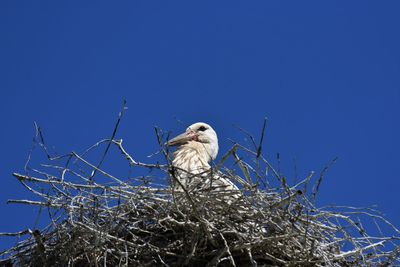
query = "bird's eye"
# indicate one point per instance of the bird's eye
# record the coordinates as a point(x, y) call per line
point(202, 128)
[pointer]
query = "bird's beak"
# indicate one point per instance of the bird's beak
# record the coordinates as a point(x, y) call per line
point(182, 138)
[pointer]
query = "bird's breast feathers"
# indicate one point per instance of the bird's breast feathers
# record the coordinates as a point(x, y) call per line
point(191, 160)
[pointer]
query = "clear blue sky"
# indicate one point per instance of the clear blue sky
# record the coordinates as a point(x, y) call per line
point(325, 73)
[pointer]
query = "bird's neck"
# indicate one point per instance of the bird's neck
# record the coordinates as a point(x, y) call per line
point(193, 157)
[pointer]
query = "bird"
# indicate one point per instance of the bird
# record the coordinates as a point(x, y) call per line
point(196, 148)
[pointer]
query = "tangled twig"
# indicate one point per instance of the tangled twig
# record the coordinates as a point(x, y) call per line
point(97, 218)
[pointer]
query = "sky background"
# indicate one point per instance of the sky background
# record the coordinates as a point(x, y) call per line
point(324, 73)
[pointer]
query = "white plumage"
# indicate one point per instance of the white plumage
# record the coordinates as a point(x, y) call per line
point(197, 147)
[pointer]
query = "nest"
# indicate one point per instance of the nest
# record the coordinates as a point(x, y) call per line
point(96, 218)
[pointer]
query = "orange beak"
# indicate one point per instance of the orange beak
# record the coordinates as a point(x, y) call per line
point(182, 138)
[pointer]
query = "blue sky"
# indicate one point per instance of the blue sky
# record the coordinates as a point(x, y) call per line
point(325, 73)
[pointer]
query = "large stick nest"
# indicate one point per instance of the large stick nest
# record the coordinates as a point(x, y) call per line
point(96, 218)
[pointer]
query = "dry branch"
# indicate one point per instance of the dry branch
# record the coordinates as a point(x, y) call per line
point(97, 218)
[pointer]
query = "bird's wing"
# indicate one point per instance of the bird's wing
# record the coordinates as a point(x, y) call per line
point(215, 184)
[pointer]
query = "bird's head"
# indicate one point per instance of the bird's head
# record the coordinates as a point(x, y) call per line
point(199, 133)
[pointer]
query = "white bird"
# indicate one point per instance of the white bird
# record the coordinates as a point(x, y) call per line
point(197, 147)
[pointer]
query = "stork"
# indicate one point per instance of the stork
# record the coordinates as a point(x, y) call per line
point(196, 148)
